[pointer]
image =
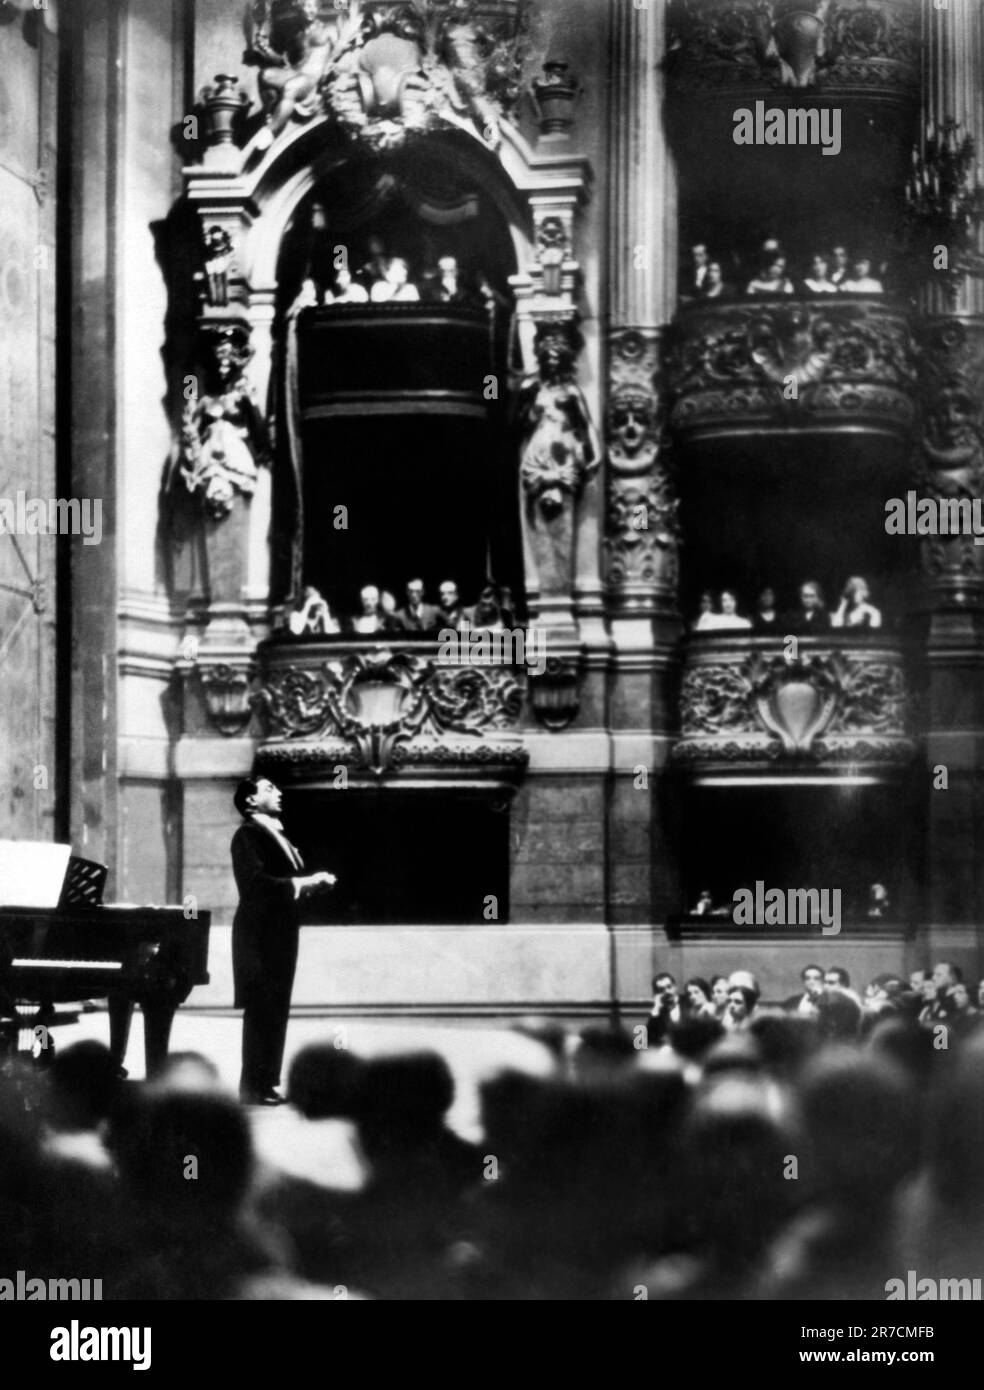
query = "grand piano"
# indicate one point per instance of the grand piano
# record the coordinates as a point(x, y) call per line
point(81, 949)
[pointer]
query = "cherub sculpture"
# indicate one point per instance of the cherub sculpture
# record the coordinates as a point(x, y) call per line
point(295, 44)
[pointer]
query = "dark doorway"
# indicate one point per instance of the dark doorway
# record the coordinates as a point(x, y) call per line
point(405, 856)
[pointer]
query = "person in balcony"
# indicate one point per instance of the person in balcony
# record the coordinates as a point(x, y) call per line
point(729, 618)
point(703, 905)
point(451, 612)
point(693, 281)
point(444, 286)
point(312, 615)
point(416, 615)
point(765, 619)
point(707, 612)
point(840, 265)
point(345, 290)
point(854, 609)
point(376, 266)
point(860, 279)
point(307, 298)
point(395, 288)
point(771, 280)
point(714, 285)
point(878, 902)
point(493, 610)
point(811, 616)
point(818, 281)
point(373, 617)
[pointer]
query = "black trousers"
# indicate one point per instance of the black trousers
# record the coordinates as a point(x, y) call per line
point(265, 1014)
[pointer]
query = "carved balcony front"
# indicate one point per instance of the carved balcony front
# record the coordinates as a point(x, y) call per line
point(867, 49)
point(789, 366)
point(380, 710)
point(766, 709)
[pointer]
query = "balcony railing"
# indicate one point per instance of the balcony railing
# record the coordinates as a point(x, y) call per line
point(867, 49)
point(830, 365)
point(383, 709)
point(833, 708)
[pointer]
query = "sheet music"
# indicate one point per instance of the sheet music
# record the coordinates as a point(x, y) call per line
point(32, 872)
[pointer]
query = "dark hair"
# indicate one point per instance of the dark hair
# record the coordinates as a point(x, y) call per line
point(841, 974)
point(749, 995)
point(954, 970)
point(701, 984)
point(806, 968)
point(663, 975)
point(247, 788)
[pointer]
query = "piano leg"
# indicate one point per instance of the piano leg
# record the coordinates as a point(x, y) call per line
point(120, 1018)
point(158, 1015)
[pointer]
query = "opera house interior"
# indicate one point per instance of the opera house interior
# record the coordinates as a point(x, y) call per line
point(493, 454)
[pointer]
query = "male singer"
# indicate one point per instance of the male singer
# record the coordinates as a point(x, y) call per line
point(271, 881)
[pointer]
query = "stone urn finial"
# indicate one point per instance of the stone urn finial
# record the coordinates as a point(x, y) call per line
point(555, 94)
point(224, 103)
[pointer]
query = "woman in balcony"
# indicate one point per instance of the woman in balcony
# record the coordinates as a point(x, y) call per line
point(818, 281)
point(765, 619)
point(854, 609)
point(772, 280)
point(727, 620)
point(396, 287)
point(860, 280)
point(707, 612)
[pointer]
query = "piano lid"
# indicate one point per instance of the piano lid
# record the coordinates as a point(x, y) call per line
point(32, 872)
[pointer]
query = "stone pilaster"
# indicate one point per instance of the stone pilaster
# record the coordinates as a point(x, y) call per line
point(641, 537)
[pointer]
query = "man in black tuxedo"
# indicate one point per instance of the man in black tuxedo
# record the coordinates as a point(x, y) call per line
point(271, 881)
point(811, 616)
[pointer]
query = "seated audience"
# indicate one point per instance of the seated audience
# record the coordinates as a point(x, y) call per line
point(806, 1003)
point(416, 615)
point(450, 610)
point(714, 285)
point(308, 297)
point(699, 624)
point(395, 287)
point(697, 998)
point(373, 617)
point(772, 279)
point(727, 620)
point(493, 611)
point(703, 905)
point(693, 282)
point(839, 265)
point(345, 290)
point(765, 619)
point(860, 280)
point(312, 615)
point(878, 903)
point(742, 1003)
point(854, 609)
point(818, 281)
point(811, 616)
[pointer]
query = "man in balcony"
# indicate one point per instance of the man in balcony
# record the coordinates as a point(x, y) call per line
point(839, 273)
point(416, 615)
point(811, 617)
point(452, 612)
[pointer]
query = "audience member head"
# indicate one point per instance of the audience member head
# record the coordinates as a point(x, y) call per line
point(602, 1052)
point(838, 1016)
point(697, 992)
point(325, 1082)
point(812, 977)
point(369, 598)
point(83, 1085)
point(811, 596)
point(448, 592)
point(836, 977)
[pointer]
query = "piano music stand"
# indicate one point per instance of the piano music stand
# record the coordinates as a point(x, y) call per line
point(84, 883)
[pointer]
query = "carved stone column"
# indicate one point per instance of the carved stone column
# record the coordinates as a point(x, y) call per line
point(951, 462)
point(642, 538)
point(641, 541)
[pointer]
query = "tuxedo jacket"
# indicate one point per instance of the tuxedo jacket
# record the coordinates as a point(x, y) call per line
point(797, 624)
point(426, 619)
point(265, 927)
